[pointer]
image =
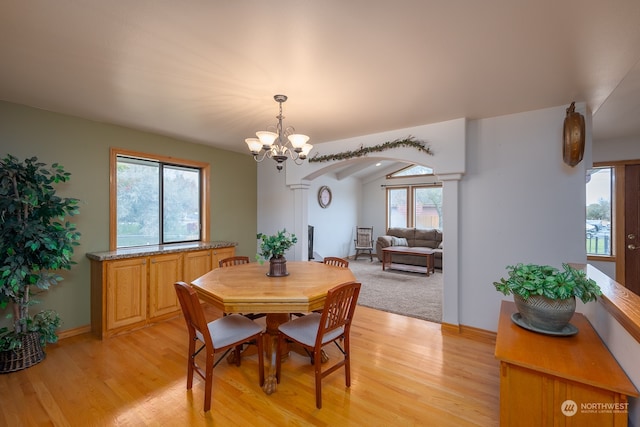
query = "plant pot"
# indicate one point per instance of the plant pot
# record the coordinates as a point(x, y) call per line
point(546, 314)
point(278, 267)
point(29, 354)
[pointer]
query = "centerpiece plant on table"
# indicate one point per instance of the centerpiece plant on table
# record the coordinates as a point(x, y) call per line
point(545, 295)
point(272, 248)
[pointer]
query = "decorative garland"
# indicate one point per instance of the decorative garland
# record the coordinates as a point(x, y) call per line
point(410, 141)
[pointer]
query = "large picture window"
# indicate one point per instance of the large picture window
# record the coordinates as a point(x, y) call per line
point(156, 200)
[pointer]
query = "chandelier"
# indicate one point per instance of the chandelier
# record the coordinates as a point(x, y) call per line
point(279, 143)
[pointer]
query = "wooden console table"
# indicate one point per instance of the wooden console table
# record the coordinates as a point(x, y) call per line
point(541, 376)
point(388, 252)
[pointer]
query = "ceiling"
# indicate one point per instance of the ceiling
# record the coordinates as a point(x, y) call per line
point(206, 71)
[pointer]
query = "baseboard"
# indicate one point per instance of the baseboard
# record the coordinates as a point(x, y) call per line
point(68, 333)
point(476, 334)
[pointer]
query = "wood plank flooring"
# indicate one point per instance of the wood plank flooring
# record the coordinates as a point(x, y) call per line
point(405, 372)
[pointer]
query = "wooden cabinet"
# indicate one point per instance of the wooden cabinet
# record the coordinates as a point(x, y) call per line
point(126, 286)
point(133, 291)
point(164, 271)
point(196, 264)
point(559, 381)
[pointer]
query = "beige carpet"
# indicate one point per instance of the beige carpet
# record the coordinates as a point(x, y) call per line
point(410, 294)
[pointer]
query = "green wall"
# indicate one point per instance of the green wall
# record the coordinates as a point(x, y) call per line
point(82, 147)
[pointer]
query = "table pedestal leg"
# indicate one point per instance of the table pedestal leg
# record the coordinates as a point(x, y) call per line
point(271, 346)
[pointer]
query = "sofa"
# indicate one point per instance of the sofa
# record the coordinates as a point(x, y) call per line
point(397, 236)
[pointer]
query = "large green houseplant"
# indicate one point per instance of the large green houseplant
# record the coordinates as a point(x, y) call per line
point(273, 247)
point(545, 296)
point(36, 241)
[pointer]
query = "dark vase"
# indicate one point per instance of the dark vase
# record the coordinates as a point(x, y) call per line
point(278, 267)
point(544, 313)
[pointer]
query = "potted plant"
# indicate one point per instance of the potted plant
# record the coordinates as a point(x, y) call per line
point(272, 248)
point(546, 296)
point(35, 242)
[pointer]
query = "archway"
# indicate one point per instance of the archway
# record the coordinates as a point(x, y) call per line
point(447, 141)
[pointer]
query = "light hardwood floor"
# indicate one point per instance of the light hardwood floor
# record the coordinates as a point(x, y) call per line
point(405, 372)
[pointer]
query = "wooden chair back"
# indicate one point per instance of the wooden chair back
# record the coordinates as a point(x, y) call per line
point(233, 260)
point(338, 310)
point(364, 238)
point(337, 262)
point(193, 313)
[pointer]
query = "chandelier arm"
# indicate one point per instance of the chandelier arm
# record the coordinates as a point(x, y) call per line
point(261, 156)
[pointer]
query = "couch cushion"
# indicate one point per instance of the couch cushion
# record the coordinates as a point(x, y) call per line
point(407, 233)
point(429, 238)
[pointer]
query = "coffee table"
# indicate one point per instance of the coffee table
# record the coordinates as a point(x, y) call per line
point(388, 252)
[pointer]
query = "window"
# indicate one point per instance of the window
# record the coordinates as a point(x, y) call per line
point(156, 200)
point(416, 206)
point(413, 170)
point(599, 211)
point(397, 199)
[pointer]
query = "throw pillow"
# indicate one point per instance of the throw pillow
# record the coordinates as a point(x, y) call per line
point(399, 241)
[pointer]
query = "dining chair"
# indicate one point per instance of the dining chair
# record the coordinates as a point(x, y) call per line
point(224, 334)
point(315, 330)
point(239, 260)
point(364, 241)
point(335, 261)
point(233, 260)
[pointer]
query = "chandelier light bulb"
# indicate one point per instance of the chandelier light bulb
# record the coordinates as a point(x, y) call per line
point(267, 138)
point(254, 145)
point(298, 140)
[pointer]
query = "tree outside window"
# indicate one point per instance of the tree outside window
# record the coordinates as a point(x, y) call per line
point(157, 202)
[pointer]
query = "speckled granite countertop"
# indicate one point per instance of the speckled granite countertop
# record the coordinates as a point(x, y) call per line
point(157, 250)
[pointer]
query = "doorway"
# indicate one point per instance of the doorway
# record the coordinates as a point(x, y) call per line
point(631, 230)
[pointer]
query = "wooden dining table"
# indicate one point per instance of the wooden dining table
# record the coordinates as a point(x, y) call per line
point(247, 288)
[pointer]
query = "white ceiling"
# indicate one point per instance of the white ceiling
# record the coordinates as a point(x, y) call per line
point(206, 71)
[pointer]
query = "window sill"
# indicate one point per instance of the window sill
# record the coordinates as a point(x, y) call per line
point(603, 258)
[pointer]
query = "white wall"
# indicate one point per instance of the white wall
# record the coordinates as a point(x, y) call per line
point(619, 149)
point(334, 226)
point(519, 203)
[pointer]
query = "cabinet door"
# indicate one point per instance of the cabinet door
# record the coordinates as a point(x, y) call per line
point(164, 271)
point(126, 292)
point(221, 253)
point(196, 264)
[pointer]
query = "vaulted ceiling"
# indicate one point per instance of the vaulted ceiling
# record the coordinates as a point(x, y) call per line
point(206, 71)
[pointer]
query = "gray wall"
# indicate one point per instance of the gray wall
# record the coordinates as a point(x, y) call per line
point(82, 147)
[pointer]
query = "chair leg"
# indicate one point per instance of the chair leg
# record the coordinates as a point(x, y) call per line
point(208, 381)
point(347, 362)
point(317, 367)
point(191, 363)
point(238, 354)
